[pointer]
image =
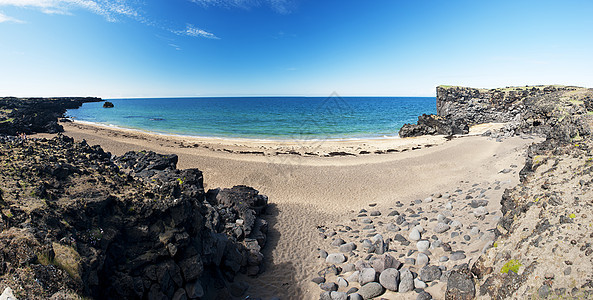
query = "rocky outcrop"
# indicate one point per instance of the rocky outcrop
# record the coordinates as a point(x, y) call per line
point(544, 232)
point(77, 222)
point(524, 109)
point(33, 115)
point(108, 104)
point(432, 124)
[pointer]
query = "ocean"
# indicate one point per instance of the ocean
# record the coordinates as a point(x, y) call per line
point(273, 118)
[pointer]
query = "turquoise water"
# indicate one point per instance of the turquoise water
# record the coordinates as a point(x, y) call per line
point(262, 117)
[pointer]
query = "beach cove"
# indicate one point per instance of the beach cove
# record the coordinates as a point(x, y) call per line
point(482, 200)
point(307, 192)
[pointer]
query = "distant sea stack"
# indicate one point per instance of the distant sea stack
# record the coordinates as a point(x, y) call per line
point(107, 104)
point(525, 108)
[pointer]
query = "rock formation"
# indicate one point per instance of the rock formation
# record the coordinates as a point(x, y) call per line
point(523, 108)
point(543, 244)
point(30, 115)
point(76, 222)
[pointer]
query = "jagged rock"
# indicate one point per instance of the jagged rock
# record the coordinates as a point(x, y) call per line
point(36, 115)
point(433, 124)
point(429, 273)
point(460, 285)
point(142, 229)
point(383, 262)
point(108, 104)
point(328, 286)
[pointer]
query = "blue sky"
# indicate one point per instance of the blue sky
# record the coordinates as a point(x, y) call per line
point(161, 48)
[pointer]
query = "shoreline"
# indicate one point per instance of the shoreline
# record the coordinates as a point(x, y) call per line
point(231, 138)
point(270, 148)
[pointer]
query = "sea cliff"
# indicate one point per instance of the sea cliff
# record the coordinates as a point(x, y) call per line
point(525, 109)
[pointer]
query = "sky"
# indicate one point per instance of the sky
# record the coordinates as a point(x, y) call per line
point(188, 48)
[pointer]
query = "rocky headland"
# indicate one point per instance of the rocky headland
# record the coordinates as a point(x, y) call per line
point(34, 115)
point(77, 222)
point(482, 240)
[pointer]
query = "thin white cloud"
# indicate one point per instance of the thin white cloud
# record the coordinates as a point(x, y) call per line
point(6, 19)
point(193, 31)
point(280, 6)
point(109, 9)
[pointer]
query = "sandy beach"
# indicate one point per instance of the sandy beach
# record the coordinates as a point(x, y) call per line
point(324, 190)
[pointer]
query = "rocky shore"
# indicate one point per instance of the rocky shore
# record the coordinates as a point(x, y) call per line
point(34, 115)
point(537, 246)
point(77, 222)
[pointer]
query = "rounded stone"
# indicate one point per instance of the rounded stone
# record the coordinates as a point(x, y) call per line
point(338, 242)
point(419, 284)
point(342, 282)
point(371, 290)
point(353, 277)
point(421, 259)
point(457, 256)
point(335, 258)
point(441, 227)
point(420, 228)
point(347, 247)
point(422, 245)
point(348, 268)
point(318, 280)
point(338, 295)
point(406, 281)
point(414, 235)
point(389, 279)
point(355, 296)
point(367, 275)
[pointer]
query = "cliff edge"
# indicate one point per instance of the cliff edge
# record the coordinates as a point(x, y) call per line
point(525, 109)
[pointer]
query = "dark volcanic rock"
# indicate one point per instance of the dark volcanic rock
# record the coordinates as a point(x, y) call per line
point(33, 115)
point(74, 220)
point(433, 124)
point(460, 285)
point(107, 104)
point(542, 110)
